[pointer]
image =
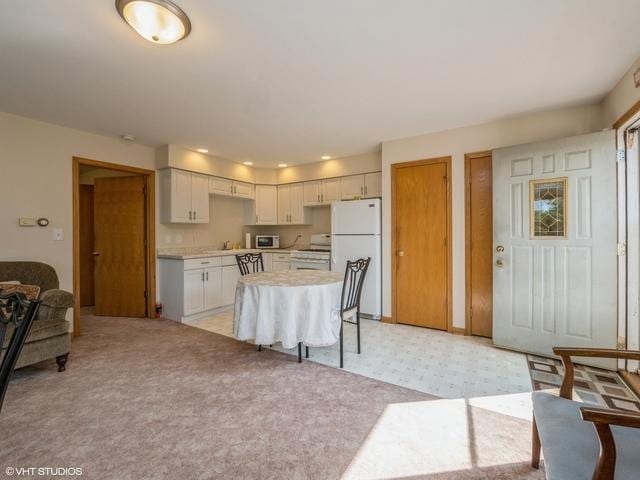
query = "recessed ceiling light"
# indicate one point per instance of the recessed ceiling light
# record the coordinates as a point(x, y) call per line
point(202, 150)
point(159, 21)
point(326, 157)
point(247, 163)
point(282, 165)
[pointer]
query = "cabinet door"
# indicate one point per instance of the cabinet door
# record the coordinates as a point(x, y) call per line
point(212, 287)
point(230, 276)
point(296, 204)
point(279, 266)
point(180, 196)
point(267, 259)
point(193, 292)
point(266, 205)
point(220, 186)
point(330, 190)
point(243, 190)
point(373, 185)
point(284, 204)
point(312, 193)
point(200, 198)
point(352, 187)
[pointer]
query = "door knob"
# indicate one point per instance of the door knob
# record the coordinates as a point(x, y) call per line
point(95, 254)
point(400, 253)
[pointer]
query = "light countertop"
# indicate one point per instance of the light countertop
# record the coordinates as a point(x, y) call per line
point(185, 253)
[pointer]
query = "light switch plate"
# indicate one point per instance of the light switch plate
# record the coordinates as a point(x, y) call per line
point(57, 234)
point(27, 222)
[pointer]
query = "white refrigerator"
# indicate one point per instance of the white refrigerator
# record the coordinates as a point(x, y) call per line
point(355, 233)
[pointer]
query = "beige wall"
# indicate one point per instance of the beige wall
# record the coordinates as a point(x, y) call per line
point(338, 167)
point(320, 223)
point(35, 164)
point(455, 143)
point(623, 96)
point(179, 157)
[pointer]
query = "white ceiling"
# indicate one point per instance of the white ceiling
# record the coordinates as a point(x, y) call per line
point(291, 80)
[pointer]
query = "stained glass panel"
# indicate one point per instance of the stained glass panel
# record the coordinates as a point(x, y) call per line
point(548, 208)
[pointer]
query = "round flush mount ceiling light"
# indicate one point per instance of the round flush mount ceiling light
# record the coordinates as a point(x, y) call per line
point(282, 165)
point(202, 150)
point(247, 163)
point(326, 157)
point(159, 21)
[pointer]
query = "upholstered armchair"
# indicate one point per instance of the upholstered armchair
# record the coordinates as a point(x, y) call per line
point(49, 336)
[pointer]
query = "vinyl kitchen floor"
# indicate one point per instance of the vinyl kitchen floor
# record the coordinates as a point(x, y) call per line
point(430, 361)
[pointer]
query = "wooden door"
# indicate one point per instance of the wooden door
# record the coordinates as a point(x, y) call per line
point(200, 198)
point(119, 227)
point(87, 264)
point(479, 233)
point(284, 204)
point(421, 225)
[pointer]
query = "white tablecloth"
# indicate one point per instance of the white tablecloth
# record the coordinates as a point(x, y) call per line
point(289, 307)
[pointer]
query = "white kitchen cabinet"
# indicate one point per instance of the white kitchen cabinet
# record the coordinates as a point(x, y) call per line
point(281, 261)
point(352, 187)
point(321, 192)
point(212, 287)
point(373, 185)
point(264, 210)
point(291, 210)
point(184, 197)
point(267, 260)
point(230, 188)
point(230, 276)
point(193, 292)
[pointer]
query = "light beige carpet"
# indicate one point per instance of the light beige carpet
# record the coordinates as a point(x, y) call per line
point(154, 399)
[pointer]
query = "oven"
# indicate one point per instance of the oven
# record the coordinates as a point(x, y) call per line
point(308, 260)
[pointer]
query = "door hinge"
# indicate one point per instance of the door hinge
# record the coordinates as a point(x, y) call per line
point(622, 249)
point(621, 344)
point(621, 156)
point(145, 294)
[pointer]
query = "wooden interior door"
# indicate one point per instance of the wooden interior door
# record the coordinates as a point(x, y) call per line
point(479, 225)
point(87, 264)
point(119, 228)
point(421, 225)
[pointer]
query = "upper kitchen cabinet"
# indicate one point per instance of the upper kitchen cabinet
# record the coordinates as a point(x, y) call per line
point(230, 188)
point(321, 192)
point(361, 186)
point(264, 210)
point(184, 197)
point(291, 210)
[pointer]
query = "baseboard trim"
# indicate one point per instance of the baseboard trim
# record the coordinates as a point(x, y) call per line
point(458, 331)
point(385, 319)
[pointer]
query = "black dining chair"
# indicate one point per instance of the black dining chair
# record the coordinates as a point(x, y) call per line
point(16, 316)
point(250, 263)
point(350, 300)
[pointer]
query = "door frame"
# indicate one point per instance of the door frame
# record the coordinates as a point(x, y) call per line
point(468, 158)
point(150, 221)
point(416, 163)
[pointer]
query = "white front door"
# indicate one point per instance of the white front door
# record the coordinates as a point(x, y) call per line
point(555, 284)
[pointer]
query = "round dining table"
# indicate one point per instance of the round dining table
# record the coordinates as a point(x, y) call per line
point(291, 306)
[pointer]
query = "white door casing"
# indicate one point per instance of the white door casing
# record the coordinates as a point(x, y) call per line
point(556, 292)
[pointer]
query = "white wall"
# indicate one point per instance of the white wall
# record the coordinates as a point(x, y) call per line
point(337, 167)
point(455, 143)
point(623, 96)
point(36, 172)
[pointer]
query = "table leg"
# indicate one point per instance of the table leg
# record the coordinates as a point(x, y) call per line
point(306, 352)
point(299, 352)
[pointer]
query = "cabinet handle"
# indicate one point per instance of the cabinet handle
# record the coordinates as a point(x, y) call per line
point(318, 198)
point(361, 190)
point(322, 198)
point(190, 215)
point(366, 192)
point(207, 276)
point(194, 215)
point(256, 218)
point(203, 276)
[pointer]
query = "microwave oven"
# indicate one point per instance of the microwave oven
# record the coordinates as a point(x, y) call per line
point(267, 241)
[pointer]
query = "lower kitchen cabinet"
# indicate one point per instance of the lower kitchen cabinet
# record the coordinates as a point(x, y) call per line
point(230, 276)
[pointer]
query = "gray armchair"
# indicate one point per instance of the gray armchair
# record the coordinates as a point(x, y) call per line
point(49, 336)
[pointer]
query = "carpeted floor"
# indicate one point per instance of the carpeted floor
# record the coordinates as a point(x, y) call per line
point(155, 399)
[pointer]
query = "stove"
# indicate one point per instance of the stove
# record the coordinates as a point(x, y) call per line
point(316, 257)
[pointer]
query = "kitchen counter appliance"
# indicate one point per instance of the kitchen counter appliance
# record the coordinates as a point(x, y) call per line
point(316, 257)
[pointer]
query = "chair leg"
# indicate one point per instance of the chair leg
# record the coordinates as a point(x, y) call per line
point(306, 352)
point(61, 360)
point(341, 354)
point(358, 328)
point(299, 352)
point(259, 348)
point(535, 446)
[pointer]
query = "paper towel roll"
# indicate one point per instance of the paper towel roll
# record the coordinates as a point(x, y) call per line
point(247, 240)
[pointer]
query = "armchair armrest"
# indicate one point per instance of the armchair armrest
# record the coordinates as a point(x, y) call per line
point(566, 354)
point(57, 298)
point(602, 420)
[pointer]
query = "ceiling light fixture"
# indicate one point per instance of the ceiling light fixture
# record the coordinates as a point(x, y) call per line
point(326, 157)
point(247, 163)
point(282, 165)
point(159, 21)
point(202, 150)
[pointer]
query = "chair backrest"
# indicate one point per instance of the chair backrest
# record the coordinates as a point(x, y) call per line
point(250, 263)
point(16, 316)
point(30, 273)
point(353, 281)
